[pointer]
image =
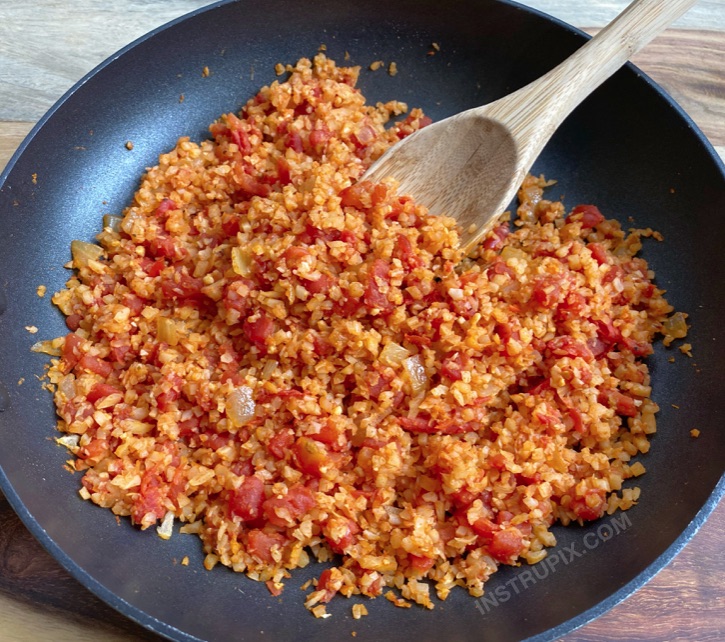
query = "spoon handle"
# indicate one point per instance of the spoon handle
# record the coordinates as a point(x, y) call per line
point(536, 111)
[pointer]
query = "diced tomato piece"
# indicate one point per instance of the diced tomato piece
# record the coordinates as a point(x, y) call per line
point(319, 137)
point(576, 419)
point(526, 480)
point(71, 351)
point(348, 306)
point(73, 322)
point(326, 583)
point(425, 425)
point(589, 215)
point(506, 545)
point(120, 353)
point(246, 501)
point(637, 348)
point(280, 443)
point(182, 287)
point(295, 255)
point(95, 449)
point(498, 266)
point(215, 440)
point(230, 223)
point(339, 543)
point(241, 139)
point(498, 461)
point(420, 563)
point(597, 347)
point(547, 291)
point(374, 297)
point(485, 529)
point(567, 346)
point(330, 436)
point(323, 284)
point(259, 331)
point(101, 391)
point(599, 253)
point(623, 404)
point(261, 543)
point(496, 238)
point(608, 332)
point(236, 295)
point(453, 366)
point(251, 186)
point(189, 427)
point(162, 246)
point(364, 136)
point(95, 365)
point(354, 196)
point(465, 307)
point(294, 141)
point(287, 510)
point(587, 508)
point(134, 303)
point(164, 207)
point(243, 467)
point(405, 252)
point(363, 195)
point(463, 498)
point(283, 172)
point(379, 194)
point(149, 499)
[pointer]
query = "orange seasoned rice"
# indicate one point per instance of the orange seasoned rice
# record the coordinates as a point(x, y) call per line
point(296, 365)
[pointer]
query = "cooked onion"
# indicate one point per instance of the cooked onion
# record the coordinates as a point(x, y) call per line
point(240, 406)
point(167, 526)
point(46, 347)
point(241, 262)
point(393, 354)
point(83, 252)
point(112, 222)
point(67, 386)
point(167, 331)
point(674, 328)
point(416, 373)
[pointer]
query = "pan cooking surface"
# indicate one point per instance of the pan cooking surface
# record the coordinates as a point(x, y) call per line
point(627, 149)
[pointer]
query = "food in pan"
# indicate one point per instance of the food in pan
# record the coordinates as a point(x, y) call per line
point(298, 365)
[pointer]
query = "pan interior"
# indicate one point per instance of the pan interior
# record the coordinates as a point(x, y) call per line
point(637, 157)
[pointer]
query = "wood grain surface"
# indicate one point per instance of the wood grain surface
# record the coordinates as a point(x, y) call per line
point(47, 45)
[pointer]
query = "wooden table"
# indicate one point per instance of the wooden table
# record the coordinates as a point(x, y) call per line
point(46, 46)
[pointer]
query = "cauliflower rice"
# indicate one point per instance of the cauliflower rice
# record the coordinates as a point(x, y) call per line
point(297, 365)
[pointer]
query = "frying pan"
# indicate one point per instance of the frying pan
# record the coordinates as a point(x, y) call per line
point(628, 148)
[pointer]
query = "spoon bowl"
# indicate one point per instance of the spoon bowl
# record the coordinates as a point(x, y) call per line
point(470, 165)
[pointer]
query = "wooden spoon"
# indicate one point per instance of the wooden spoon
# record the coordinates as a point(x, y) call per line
point(470, 165)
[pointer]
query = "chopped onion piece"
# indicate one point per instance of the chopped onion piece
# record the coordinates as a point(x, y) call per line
point(510, 252)
point(269, 369)
point(112, 222)
point(674, 328)
point(393, 354)
point(416, 373)
point(83, 252)
point(69, 441)
point(46, 347)
point(167, 526)
point(166, 331)
point(241, 262)
point(132, 217)
point(67, 386)
point(240, 406)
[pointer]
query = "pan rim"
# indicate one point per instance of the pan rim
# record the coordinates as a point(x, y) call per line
point(162, 628)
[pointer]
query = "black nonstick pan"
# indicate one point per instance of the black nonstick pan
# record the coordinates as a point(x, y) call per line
point(628, 148)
